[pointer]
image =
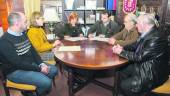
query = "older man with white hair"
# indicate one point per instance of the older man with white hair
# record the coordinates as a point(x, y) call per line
point(129, 34)
point(148, 59)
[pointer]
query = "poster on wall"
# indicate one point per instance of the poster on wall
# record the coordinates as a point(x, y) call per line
point(129, 6)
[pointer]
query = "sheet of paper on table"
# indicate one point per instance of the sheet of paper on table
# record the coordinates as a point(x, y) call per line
point(100, 39)
point(75, 38)
point(69, 48)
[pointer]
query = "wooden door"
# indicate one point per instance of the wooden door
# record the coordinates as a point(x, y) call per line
point(3, 14)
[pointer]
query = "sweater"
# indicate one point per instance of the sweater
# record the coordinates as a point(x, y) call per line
point(124, 37)
point(73, 31)
point(38, 39)
point(17, 53)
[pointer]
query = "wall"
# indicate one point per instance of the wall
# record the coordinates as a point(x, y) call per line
point(3, 14)
point(48, 3)
point(7, 6)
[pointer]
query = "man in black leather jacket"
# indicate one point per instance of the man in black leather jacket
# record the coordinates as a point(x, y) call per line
point(148, 59)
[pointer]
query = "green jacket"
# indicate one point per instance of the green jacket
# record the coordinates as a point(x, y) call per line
point(124, 37)
point(108, 30)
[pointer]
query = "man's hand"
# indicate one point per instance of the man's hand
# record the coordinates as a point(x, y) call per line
point(112, 41)
point(45, 69)
point(81, 35)
point(90, 36)
point(117, 49)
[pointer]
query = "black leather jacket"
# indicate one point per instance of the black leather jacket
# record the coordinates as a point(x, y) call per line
point(150, 59)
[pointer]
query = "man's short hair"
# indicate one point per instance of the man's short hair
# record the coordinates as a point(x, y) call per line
point(13, 18)
point(149, 19)
point(106, 12)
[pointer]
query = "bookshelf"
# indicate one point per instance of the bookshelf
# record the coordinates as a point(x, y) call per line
point(87, 15)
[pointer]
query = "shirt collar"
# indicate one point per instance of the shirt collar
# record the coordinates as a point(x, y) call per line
point(14, 33)
point(145, 33)
point(106, 23)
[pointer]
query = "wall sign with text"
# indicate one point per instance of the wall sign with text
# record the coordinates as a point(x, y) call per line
point(129, 6)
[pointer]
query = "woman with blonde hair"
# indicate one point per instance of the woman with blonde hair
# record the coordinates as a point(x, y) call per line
point(72, 28)
point(37, 36)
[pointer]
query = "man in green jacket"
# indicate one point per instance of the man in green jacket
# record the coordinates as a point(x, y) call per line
point(104, 28)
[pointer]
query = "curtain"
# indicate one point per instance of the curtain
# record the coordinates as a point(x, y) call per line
point(30, 6)
point(1, 30)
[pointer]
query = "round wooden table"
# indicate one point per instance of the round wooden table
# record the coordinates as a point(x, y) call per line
point(94, 55)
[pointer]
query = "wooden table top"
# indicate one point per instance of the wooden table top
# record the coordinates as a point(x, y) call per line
point(94, 55)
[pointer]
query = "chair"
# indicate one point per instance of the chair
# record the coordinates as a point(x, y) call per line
point(7, 84)
point(163, 89)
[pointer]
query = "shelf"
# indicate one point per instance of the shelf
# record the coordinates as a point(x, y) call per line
point(86, 10)
point(87, 23)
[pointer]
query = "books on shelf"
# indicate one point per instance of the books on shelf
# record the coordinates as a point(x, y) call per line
point(91, 4)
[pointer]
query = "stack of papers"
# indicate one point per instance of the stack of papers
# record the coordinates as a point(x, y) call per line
point(100, 39)
point(75, 38)
point(69, 48)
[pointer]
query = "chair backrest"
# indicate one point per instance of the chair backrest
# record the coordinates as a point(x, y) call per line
point(58, 28)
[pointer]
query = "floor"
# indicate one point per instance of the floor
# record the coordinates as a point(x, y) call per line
point(62, 89)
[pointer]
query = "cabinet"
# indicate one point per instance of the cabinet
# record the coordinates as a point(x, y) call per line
point(165, 9)
point(88, 13)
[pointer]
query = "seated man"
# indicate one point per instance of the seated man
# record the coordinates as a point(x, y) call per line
point(148, 59)
point(21, 63)
point(104, 28)
point(128, 35)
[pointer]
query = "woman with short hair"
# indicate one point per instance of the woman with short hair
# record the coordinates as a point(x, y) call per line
point(72, 28)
